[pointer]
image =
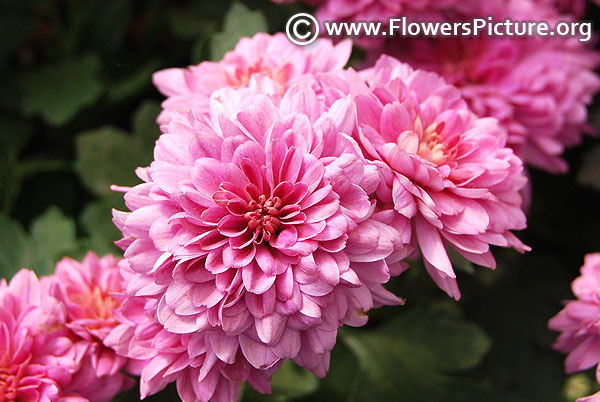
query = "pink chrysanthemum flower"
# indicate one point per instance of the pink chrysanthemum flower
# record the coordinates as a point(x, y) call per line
point(538, 88)
point(579, 321)
point(268, 62)
point(255, 228)
point(207, 365)
point(86, 289)
point(444, 169)
point(37, 356)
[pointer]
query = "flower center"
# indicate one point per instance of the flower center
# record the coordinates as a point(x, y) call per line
point(241, 77)
point(263, 216)
point(97, 301)
point(432, 146)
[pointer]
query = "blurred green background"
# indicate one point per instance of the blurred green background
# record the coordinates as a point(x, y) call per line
point(77, 112)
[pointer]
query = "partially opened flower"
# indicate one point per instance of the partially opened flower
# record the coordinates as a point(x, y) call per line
point(255, 227)
point(443, 168)
point(86, 289)
point(579, 321)
point(268, 62)
point(37, 356)
point(537, 87)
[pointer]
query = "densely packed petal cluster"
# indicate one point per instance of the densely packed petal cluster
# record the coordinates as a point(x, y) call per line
point(86, 290)
point(538, 88)
point(42, 358)
point(579, 321)
point(37, 356)
point(443, 168)
point(270, 63)
point(255, 230)
point(207, 365)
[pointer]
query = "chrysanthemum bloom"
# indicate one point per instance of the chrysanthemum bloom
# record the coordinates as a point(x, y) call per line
point(268, 62)
point(257, 232)
point(86, 289)
point(443, 168)
point(538, 88)
point(579, 321)
point(37, 356)
point(207, 365)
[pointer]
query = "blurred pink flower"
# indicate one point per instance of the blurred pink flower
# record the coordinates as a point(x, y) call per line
point(444, 169)
point(255, 230)
point(268, 62)
point(85, 288)
point(579, 321)
point(37, 356)
point(538, 88)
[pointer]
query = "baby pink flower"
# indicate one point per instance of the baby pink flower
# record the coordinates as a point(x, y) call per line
point(37, 356)
point(207, 365)
point(86, 290)
point(579, 321)
point(255, 230)
point(268, 62)
point(445, 170)
point(538, 88)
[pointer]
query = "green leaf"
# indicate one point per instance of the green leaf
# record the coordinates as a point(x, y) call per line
point(58, 92)
point(184, 22)
point(13, 247)
point(199, 48)
point(52, 237)
point(108, 156)
point(133, 83)
point(144, 124)
point(14, 135)
point(96, 219)
point(240, 21)
point(409, 358)
point(293, 381)
point(289, 382)
point(108, 25)
point(460, 262)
